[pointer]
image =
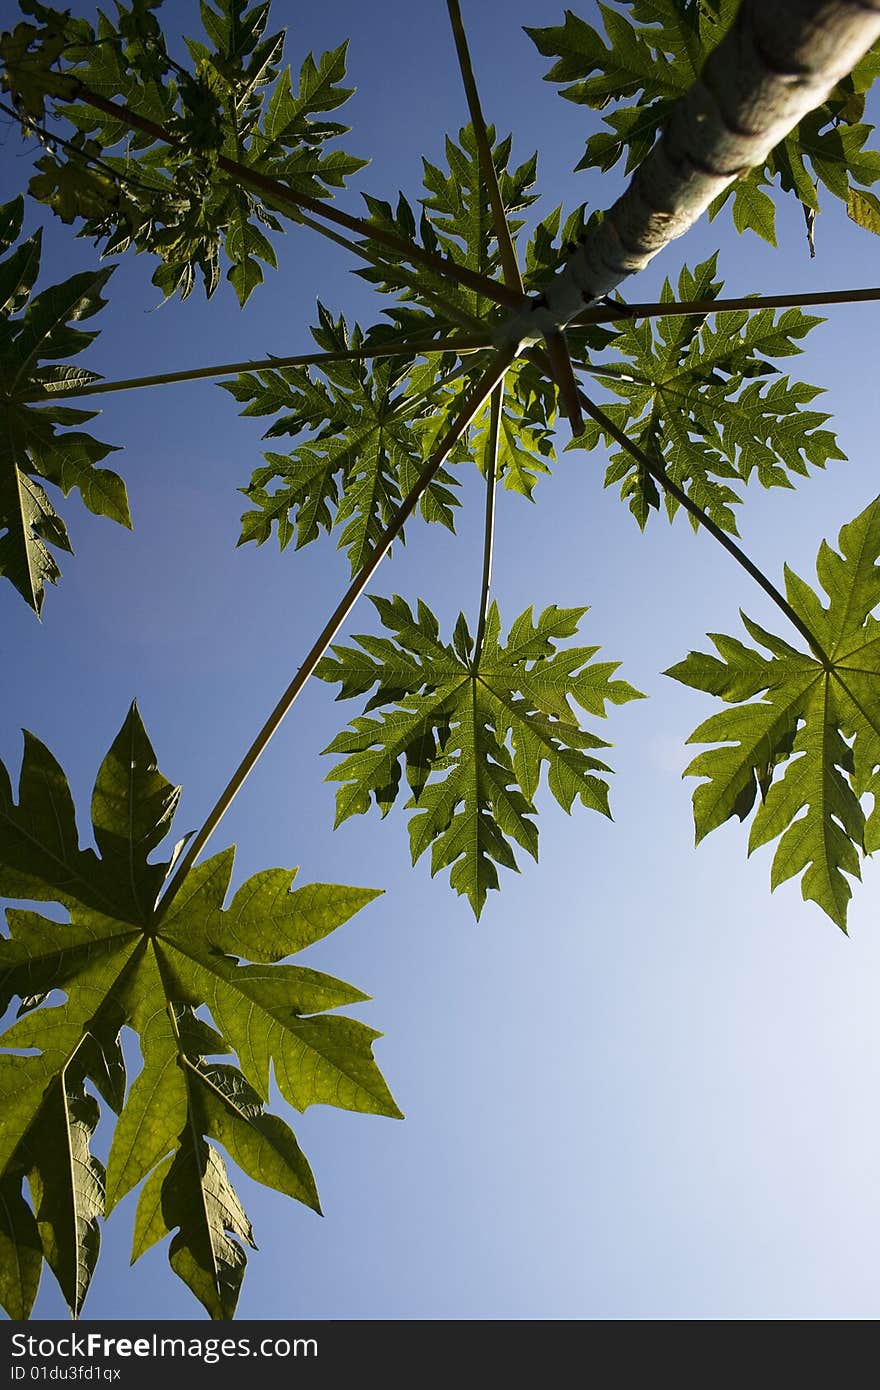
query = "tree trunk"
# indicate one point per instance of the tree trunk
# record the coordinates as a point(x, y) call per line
point(779, 60)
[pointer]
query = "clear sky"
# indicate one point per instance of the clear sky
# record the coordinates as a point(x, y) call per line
point(641, 1087)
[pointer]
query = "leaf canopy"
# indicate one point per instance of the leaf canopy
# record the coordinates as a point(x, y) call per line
point(371, 430)
point(811, 743)
point(456, 223)
point(199, 982)
point(473, 732)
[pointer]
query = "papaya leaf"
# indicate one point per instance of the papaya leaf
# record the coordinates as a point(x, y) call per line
point(472, 735)
point(364, 454)
point(703, 399)
point(121, 962)
point(237, 101)
point(392, 417)
point(36, 332)
point(525, 438)
point(455, 221)
point(21, 1254)
point(810, 745)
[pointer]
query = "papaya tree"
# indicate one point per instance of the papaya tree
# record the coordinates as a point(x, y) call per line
point(165, 1000)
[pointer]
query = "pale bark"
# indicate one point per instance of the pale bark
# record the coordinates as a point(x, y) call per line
point(779, 60)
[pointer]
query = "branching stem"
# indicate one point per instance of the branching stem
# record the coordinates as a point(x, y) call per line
point(491, 471)
point(474, 342)
point(392, 274)
point(469, 407)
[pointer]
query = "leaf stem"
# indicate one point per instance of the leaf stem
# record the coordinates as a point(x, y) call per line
point(603, 313)
point(506, 248)
point(660, 475)
point(491, 457)
point(308, 359)
point(469, 407)
point(282, 194)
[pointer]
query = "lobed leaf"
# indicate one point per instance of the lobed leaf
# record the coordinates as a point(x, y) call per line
point(123, 962)
point(172, 199)
point(364, 454)
point(702, 398)
point(810, 745)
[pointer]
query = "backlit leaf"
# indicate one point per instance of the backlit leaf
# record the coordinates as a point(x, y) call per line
point(471, 735)
point(809, 747)
point(121, 962)
point(36, 447)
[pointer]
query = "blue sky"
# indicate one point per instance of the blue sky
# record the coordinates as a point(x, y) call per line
point(641, 1087)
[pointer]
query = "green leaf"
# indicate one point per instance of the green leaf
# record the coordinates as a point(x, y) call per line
point(21, 1254)
point(371, 431)
point(753, 209)
point(132, 809)
point(267, 920)
point(654, 59)
point(35, 332)
point(525, 440)
point(122, 962)
point(173, 200)
point(67, 1186)
point(198, 1198)
point(472, 735)
point(149, 1223)
point(457, 222)
point(811, 744)
point(364, 454)
point(262, 1145)
point(40, 856)
point(702, 398)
